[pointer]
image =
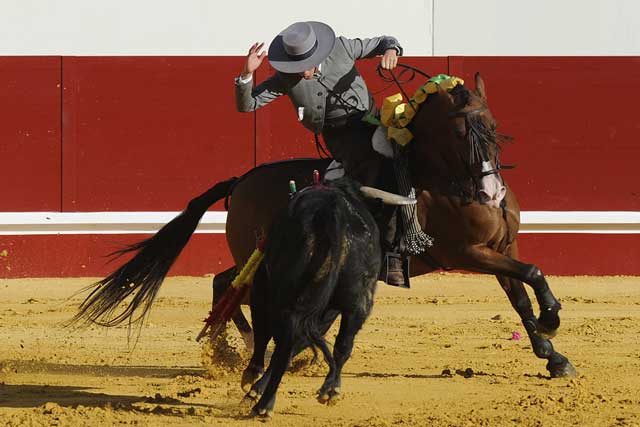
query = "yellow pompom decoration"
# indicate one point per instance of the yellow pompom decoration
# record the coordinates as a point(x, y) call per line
point(450, 83)
point(387, 115)
point(396, 115)
point(400, 136)
point(430, 87)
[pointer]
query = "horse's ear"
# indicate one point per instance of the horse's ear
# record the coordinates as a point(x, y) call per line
point(480, 87)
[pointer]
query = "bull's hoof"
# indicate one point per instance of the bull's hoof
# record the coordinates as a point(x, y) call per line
point(263, 414)
point(330, 396)
point(250, 376)
point(562, 370)
point(251, 397)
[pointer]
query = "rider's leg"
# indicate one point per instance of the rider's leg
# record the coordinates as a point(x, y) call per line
point(352, 147)
point(391, 232)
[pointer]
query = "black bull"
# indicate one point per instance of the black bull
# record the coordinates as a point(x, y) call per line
point(321, 259)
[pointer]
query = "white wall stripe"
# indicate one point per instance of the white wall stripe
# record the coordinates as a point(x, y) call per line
point(208, 27)
point(46, 223)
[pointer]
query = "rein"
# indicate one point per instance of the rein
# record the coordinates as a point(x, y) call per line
point(394, 79)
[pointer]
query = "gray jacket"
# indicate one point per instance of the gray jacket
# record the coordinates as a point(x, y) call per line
point(338, 90)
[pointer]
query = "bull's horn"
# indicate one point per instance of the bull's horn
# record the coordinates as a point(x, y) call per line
point(386, 197)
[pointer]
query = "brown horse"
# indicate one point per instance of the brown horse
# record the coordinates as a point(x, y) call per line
point(454, 140)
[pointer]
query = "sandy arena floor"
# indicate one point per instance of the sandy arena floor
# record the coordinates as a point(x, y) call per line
point(51, 376)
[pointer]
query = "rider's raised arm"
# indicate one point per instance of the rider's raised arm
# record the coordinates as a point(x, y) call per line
point(250, 99)
point(368, 48)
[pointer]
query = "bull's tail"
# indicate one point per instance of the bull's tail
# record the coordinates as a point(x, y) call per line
point(142, 276)
point(303, 259)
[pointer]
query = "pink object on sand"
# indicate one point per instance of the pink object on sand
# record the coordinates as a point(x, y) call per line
point(515, 335)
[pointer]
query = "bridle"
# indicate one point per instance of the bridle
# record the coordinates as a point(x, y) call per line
point(478, 141)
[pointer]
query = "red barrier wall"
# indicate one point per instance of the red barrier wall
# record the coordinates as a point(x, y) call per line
point(86, 255)
point(150, 133)
point(30, 162)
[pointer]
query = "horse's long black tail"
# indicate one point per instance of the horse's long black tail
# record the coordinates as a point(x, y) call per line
point(142, 276)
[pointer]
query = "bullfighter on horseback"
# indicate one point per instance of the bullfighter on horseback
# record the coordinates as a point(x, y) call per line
point(317, 71)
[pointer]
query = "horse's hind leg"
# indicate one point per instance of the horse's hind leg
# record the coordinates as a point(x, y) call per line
point(350, 324)
point(486, 260)
point(221, 283)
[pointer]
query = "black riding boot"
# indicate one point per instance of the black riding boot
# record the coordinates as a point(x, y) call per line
point(392, 270)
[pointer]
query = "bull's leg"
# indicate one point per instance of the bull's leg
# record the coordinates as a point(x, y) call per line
point(284, 339)
point(259, 386)
point(261, 333)
point(350, 324)
point(485, 260)
point(221, 283)
point(257, 389)
point(557, 364)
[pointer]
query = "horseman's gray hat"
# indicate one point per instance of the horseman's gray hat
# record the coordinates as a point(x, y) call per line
point(301, 46)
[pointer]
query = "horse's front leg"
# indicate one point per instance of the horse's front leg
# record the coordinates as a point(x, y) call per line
point(485, 260)
point(557, 364)
point(510, 273)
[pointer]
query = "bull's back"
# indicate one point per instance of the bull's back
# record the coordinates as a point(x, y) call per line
point(257, 198)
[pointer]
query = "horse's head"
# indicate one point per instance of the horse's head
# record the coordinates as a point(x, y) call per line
point(455, 137)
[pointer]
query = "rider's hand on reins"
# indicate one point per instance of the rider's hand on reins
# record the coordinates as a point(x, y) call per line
point(389, 59)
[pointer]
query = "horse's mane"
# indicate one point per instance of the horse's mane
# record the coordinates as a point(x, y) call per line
point(484, 143)
point(488, 135)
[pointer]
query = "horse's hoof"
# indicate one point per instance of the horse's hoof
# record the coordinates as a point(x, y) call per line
point(548, 322)
point(249, 377)
point(562, 370)
point(329, 397)
point(546, 334)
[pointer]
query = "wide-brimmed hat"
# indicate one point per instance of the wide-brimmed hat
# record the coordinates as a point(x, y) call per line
point(301, 46)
